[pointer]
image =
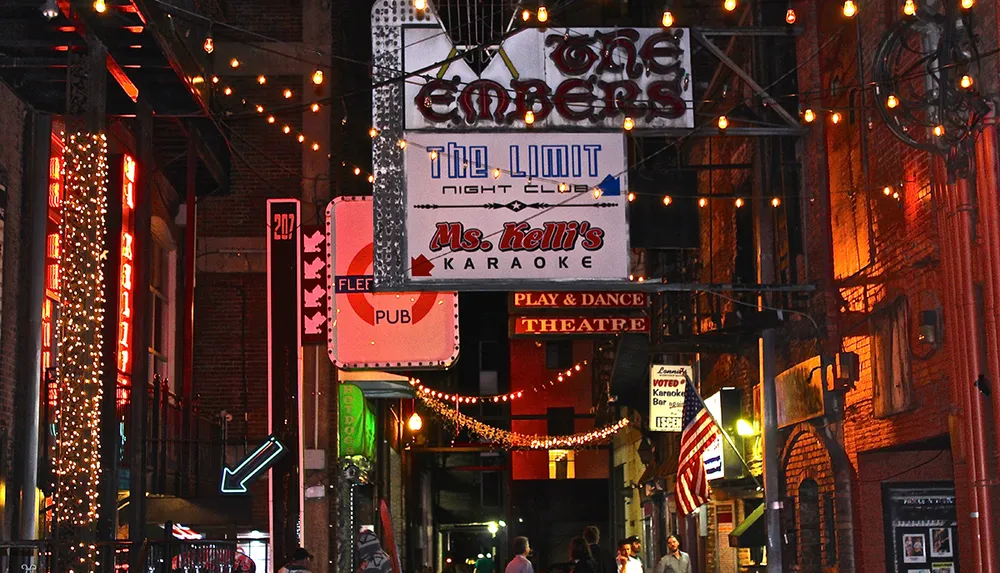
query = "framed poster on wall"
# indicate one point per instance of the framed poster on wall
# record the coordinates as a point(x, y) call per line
point(921, 529)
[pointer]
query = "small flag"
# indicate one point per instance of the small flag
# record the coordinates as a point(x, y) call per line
point(698, 433)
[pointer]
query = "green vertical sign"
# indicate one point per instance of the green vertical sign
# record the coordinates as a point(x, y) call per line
point(357, 423)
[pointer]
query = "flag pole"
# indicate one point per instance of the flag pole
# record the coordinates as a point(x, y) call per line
point(725, 434)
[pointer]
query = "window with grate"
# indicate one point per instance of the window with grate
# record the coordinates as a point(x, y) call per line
point(559, 354)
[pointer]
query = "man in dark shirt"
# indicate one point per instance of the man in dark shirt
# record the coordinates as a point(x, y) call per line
point(675, 561)
point(604, 558)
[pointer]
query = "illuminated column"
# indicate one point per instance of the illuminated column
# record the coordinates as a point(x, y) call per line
point(79, 336)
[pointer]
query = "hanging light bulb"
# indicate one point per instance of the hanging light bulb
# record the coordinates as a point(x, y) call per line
point(50, 10)
point(563, 188)
point(314, 107)
point(315, 146)
point(228, 90)
point(402, 143)
point(966, 82)
point(631, 196)
point(775, 202)
point(938, 130)
point(261, 79)
point(496, 173)
point(357, 171)
point(597, 192)
point(850, 8)
point(373, 133)
point(668, 19)
point(420, 5)
point(895, 195)
point(667, 200)
point(529, 117)
point(909, 8)
point(260, 108)
point(301, 138)
point(729, 5)
point(287, 93)
point(433, 154)
point(836, 117)
point(526, 15)
point(738, 202)
point(891, 102)
point(270, 119)
point(371, 178)
point(415, 423)
point(628, 124)
point(809, 115)
point(100, 6)
point(209, 45)
point(215, 79)
point(318, 77)
point(702, 202)
point(967, 4)
point(234, 63)
point(723, 122)
point(543, 13)
point(287, 129)
point(887, 191)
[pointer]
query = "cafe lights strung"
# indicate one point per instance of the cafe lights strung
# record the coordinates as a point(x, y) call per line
point(80, 336)
point(515, 441)
point(497, 398)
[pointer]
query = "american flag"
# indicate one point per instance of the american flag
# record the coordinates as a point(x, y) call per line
point(699, 431)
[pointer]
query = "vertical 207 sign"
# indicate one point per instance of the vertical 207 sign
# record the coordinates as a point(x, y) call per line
point(481, 209)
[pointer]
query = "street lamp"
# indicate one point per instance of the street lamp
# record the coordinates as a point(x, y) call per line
point(493, 527)
point(415, 422)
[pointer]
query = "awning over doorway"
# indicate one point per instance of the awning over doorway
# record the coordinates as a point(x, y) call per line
point(751, 532)
point(375, 384)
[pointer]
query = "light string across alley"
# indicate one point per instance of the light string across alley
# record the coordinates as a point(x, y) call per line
point(517, 441)
point(495, 398)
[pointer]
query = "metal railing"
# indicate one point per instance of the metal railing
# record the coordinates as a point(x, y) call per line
point(167, 556)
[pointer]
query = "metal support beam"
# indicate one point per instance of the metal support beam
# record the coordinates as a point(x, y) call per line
point(713, 131)
point(771, 102)
point(750, 31)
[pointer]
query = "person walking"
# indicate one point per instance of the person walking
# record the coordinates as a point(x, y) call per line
point(580, 557)
point(675, 561)
point(623, 560)
point(604, 558)
point(299, 562)
point(520, 563)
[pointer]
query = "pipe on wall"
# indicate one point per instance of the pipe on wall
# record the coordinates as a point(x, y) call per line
point(951, 271)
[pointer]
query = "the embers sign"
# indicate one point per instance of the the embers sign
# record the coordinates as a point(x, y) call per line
point(585, 77)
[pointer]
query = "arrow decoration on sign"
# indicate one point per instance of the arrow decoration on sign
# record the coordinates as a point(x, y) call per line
point(314, 323)
point(313, 268)
point(313, 296)
point(610, 186)
point(235, 481)
point(313, 243)
point(422, 267)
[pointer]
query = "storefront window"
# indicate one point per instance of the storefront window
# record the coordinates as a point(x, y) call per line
point(921, 528)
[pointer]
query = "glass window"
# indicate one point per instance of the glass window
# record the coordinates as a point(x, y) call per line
point(559, 354)
point(160, 317)
point(562, 464)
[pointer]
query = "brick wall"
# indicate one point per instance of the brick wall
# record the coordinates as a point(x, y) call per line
point(12, 115)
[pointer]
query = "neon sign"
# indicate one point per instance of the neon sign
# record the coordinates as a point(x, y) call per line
point(126, 287)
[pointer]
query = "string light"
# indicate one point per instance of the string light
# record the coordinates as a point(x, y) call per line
point(563, 188)
point(260, 108)
point(100, 6)
point(228, 90)
point(261, 79)
point(836, 117)
point(287, 93)
point(315, 146)
point(891, 102)
point(525, 15)
point(495, 398)
point(80, 333)
point(514, 440)
point(529, 117)
point(373, 133)
point(776, 202)
point(420, 5)
point(215, 79)
point(314, 107)
point(702, 202)
point(301, 138)
point(968, 4)
point(318, 77)
point(287, 129)
point(402, 143)
point(909, 8)
point(543, 13)
point(790, 16)
point(850, 8)
point(357, 171)
point(496, 173)
point(631, 196)
point(667, 200)
point(887, 191)
point(938, 130)
point(809, 115)
point(270, 119)
point(723, 122)
point(628, 124)
point(597, 192)
point(371, 178)
point(234, 63)
point(895, 195)
point(668, 19)
point(433, 154)
point(209, 45)
point(966, 82)
point(738, 202)
point(729, 5)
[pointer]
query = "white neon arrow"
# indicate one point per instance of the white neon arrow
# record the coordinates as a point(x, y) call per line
point(236, 480)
